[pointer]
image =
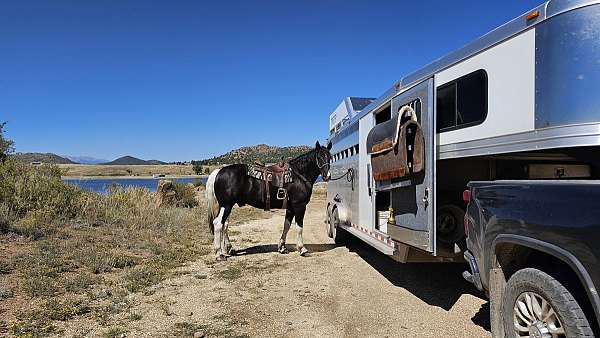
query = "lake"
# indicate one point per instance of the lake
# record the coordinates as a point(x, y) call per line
point(102, 185)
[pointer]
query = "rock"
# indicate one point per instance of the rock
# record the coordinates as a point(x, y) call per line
point(190, 314)
point(165, 193)
point(199, 334)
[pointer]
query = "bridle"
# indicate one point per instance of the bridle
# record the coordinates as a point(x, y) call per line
point(321, 165)
point(317, 158)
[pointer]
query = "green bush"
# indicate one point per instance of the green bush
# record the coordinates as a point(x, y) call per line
point(35, 194)
point(197, 167)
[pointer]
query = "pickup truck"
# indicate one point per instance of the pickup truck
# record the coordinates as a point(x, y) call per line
point(533, 247)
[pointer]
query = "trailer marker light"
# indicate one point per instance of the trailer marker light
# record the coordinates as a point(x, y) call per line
point(532, 15)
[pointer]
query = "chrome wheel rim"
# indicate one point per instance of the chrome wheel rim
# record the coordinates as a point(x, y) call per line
point(534, 317)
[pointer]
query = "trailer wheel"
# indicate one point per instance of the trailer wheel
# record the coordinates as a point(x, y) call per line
point(537, 305)
point(340, 236)
point(449, 224)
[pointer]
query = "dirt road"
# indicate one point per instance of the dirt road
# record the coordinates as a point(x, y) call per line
point(348, 291)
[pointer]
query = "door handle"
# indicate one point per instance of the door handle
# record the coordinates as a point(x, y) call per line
point(426, 197)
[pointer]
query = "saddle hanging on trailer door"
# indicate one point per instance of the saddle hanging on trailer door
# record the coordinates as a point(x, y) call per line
point(397, 147)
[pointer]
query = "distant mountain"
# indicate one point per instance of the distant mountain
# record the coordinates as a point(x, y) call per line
point(85, 159)
point(43, 158)
point(130, 160)
point(258, 153)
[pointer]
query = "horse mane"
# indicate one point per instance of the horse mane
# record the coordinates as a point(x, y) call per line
point(302, 158)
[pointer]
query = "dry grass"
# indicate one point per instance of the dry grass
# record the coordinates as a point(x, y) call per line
point(79, 170)
point(68, 253)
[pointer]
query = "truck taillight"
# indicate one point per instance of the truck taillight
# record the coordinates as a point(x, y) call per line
point(467, 196)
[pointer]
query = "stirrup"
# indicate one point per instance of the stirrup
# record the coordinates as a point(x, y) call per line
point(281, 194)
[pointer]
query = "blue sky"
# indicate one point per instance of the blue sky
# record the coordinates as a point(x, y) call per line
point(182, 80)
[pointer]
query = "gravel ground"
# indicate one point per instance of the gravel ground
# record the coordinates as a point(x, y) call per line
point(348, 291)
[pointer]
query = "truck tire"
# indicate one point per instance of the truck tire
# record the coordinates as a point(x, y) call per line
point(449, 224)
point(340, 236)
point(537, 305)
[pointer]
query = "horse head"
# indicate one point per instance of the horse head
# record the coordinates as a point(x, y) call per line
point(323, 160)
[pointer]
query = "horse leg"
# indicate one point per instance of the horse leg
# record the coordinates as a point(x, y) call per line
point(218, 234)
point(228, 247)
point(289, 215)
point(225, 244)
point(299, 227)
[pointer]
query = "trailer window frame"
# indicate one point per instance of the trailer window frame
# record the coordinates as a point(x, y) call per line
point(456, 84)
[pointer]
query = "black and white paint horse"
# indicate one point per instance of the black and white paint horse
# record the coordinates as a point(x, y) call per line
point(231, 185)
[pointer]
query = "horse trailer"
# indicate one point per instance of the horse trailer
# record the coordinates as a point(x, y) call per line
point(521, 102)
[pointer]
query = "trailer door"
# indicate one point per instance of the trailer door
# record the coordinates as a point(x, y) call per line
point(413, 198)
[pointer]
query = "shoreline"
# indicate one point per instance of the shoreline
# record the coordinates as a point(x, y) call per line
point(79, 178)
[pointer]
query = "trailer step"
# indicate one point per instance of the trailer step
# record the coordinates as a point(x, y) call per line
point(379, 245)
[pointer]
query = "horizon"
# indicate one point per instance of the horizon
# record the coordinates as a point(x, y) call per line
point(191, 80)
point(93, 160)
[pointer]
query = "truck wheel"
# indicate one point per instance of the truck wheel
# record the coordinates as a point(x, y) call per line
point(449, 223)
point(537, 305)
point(340, 236)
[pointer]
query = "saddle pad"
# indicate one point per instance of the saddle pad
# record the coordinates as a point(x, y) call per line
point(277, 179)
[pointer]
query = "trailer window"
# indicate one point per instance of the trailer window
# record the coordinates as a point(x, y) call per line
point(462, 102)
point(383, 115)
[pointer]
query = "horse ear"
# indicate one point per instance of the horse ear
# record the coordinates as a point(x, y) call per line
point(329, 146)
point(317, 145)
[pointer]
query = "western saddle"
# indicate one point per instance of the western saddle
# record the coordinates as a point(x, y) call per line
point(277, 175)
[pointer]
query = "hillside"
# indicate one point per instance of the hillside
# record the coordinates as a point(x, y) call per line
point(130, 160)
point(43, 158)
point(261, 153)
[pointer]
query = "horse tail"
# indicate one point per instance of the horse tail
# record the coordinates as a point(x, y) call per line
point(211, 200)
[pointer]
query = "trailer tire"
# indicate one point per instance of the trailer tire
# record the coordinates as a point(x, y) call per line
point(340, 236)
point(449, 224)
point(528, 287)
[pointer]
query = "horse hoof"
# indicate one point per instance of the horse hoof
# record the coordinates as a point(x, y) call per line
point(231, 252)
point(303, 252)
point(283, 250)
point(221, 258)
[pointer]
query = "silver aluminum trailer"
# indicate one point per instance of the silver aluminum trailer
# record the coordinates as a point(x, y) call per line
point(521, 102)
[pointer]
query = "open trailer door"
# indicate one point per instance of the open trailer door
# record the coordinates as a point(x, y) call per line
point(402, 154)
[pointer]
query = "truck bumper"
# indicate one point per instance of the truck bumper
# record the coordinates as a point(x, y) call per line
point(473, 275)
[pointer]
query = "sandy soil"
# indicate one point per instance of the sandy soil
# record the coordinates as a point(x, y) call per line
point(348, 291)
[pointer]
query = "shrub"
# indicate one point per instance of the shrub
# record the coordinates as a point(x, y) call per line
point(197, 167)
point(36, 194)
point(185, 195)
